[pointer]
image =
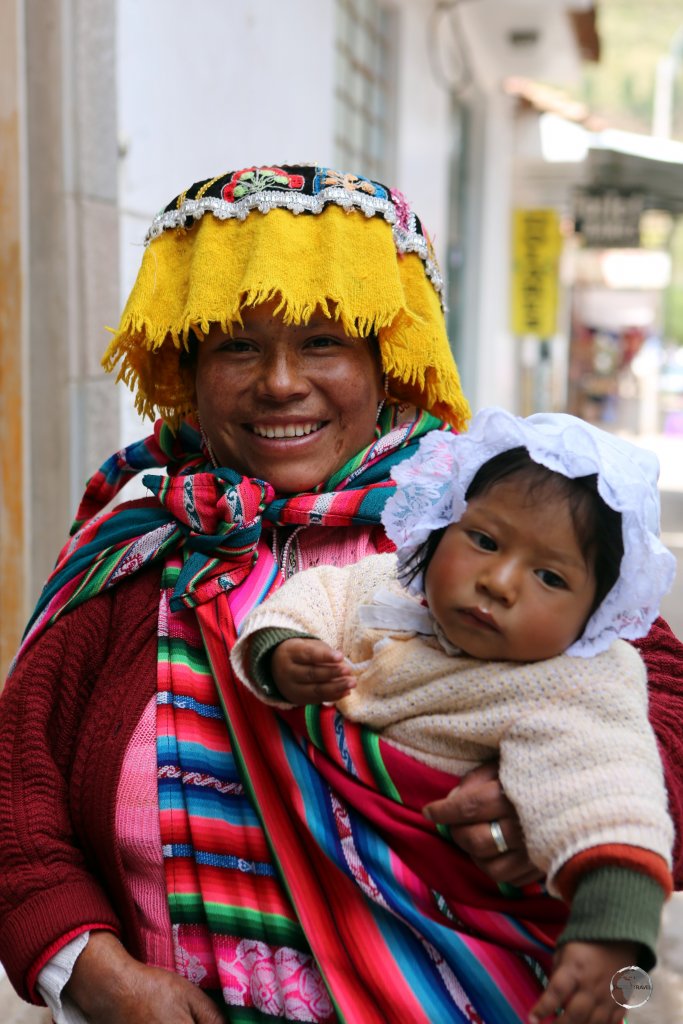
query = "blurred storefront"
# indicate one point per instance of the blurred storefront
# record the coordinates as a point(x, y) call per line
point(624, 316)
point(613, 356)
point(616, 337)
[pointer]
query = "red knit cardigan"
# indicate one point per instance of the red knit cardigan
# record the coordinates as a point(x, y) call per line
point(66, 717)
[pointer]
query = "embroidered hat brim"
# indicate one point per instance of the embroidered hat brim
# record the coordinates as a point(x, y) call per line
point(306, 237)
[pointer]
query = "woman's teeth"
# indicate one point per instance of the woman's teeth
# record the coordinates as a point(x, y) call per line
point(291, 430)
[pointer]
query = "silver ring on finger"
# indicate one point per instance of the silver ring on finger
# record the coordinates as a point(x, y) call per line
point(498, 837)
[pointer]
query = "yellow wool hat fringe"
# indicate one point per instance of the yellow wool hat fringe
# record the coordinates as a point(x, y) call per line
point(339, 261)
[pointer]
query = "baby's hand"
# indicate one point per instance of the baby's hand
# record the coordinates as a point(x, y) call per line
point(308, 671)
point(580, 983)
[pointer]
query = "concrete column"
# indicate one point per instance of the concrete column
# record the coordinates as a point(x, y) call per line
point(72, 259)
point(13, 601)
point(491, 351)
point(48, 329)
point(422, 141)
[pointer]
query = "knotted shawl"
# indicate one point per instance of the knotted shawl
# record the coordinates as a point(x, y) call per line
point(213, 515)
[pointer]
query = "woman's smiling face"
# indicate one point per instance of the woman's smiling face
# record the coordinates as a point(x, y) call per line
point(287, 404)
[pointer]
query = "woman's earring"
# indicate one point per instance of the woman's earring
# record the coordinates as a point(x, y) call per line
point(386, 395)
point(207, 444)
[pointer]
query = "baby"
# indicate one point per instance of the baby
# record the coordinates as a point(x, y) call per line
point(525, 549)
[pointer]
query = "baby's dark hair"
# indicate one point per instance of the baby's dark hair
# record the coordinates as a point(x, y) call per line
point(597, 526)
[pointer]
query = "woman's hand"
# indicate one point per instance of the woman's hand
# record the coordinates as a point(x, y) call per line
point(308, 671)
point(580, 983)
point(110, 987)
point(469, 810)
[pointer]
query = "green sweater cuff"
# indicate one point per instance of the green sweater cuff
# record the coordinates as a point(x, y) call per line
point(261, 649)
point(616, 904)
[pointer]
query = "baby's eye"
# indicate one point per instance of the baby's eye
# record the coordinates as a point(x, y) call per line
point(551, 579)
point(482, 540)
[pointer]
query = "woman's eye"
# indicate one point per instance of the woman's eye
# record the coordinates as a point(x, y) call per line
point(237, 345)
point(551, 579)
point(324, 341)
point(482, 540)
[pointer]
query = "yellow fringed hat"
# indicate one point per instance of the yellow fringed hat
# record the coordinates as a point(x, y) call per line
point(309, 237)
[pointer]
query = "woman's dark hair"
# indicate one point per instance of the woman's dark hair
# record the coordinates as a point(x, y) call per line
point(187, 363)
point(188, 356)
point(597, 526)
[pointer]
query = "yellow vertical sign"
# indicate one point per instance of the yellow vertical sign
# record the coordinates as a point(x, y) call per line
point(535, 272)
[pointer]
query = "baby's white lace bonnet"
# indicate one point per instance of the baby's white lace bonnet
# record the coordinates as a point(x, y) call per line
point(431, 488)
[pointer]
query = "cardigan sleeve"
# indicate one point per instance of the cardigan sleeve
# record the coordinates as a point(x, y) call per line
point(580, 764)
point(48, 895)
point(662, 653)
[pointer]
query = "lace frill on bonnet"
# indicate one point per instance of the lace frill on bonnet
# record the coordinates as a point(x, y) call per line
point(433, 483)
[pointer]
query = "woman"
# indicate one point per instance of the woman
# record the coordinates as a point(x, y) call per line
point(156, 818)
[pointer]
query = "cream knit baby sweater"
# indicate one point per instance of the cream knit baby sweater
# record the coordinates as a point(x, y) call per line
point(578, 757)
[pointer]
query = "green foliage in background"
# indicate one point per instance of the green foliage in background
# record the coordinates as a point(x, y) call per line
point(634, 35)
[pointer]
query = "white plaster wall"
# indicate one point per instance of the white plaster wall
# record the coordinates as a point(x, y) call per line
point(259, 88)
point(423, 134)
point(238, 84)
point(211, 87)
point(224, 86)
point(552, 56)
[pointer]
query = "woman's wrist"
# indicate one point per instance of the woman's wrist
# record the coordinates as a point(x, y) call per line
point(54, 977)
point(101, 973)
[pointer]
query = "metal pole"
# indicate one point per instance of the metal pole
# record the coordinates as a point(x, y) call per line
point(667, 66)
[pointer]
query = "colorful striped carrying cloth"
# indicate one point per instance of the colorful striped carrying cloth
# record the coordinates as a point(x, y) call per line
point(399, 923)
point(303, 881)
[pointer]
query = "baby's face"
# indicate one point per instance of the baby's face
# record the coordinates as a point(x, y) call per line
point(509, 582)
